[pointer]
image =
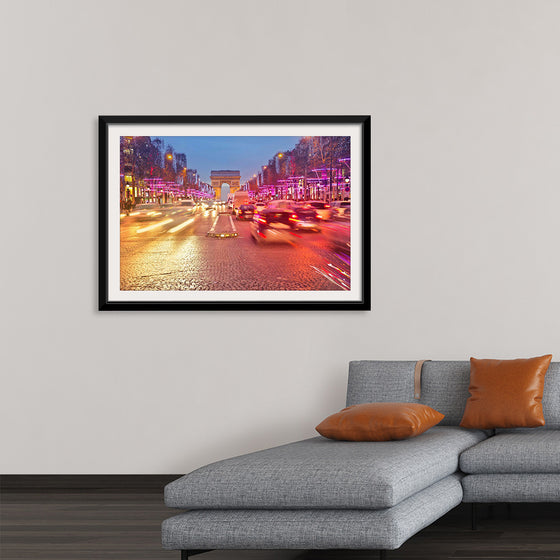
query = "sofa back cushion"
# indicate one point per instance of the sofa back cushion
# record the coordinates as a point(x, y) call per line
point(445, 387)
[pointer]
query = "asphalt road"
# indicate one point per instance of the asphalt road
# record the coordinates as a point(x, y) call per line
point(171, 251)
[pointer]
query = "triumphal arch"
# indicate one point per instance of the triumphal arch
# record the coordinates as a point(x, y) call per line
point(221, 176)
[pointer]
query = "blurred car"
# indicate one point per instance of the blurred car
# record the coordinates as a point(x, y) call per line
point(305, 219)
point(187, 206)
point(338, 206)
point(245, 212)
point(273, 225)
point(337, 232)
point(260, 206)
point(210, 204)
point(323, 209)
point(281, 204)
point(146, 211)
point(239, 198)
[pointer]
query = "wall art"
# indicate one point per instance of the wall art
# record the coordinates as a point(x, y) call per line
point(233, 212)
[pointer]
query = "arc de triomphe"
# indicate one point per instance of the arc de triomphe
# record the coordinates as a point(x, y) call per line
point(221, 176)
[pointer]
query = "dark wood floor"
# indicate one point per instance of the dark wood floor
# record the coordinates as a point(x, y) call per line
point(91, 524)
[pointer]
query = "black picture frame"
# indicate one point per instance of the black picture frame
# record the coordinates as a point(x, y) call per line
point(362, 300)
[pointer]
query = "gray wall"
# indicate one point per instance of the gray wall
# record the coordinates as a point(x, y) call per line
point(465, 103)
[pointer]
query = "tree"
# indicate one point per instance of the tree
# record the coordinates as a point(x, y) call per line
point(169, 165)
point(326, 153)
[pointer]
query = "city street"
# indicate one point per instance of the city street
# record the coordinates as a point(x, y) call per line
point(171, 250)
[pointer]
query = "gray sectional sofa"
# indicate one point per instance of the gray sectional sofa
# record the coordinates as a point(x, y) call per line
point(325, 494)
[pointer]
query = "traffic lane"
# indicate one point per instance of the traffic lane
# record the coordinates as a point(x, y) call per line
point(197, 262)
point(168, 225)
point(172, 222)
point(162, 219)
point(331, 251)
point(157, 252)
point(241, 264)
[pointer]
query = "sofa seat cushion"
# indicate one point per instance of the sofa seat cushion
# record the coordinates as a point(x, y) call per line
point(319, 473)
point(312, 529)
point(523, 451)
point(492, 488)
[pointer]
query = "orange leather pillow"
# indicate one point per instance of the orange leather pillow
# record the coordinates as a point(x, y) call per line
point(382, 421)
point(506, 393)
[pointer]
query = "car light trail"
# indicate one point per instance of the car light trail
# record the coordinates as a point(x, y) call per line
point(154, 226)
point(181, 226)
point(337, 281)
point(339, 270)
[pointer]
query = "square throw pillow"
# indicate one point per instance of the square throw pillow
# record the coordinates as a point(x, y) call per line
point(506, 393)
point(383, 421)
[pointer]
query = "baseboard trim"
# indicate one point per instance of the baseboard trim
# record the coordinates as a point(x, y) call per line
point(122, 482)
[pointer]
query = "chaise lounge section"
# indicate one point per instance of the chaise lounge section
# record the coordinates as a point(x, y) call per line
point(325, 494)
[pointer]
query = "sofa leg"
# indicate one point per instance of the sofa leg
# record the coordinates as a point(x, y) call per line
point(508, 510)
point(473, 516)
point(186, 554)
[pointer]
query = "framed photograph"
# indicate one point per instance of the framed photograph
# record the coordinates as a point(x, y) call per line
point(232, 212)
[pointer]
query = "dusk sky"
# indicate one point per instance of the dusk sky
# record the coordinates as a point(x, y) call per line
point(246, 153)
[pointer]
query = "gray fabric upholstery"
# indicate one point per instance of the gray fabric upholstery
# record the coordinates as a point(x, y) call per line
point(322, 473)
point(379, 381)
point(321, 494)
point(531, 451)
point(326, 474)
point(511, 488)
point(551, 396)
point(445, 387)
point(312, 529)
